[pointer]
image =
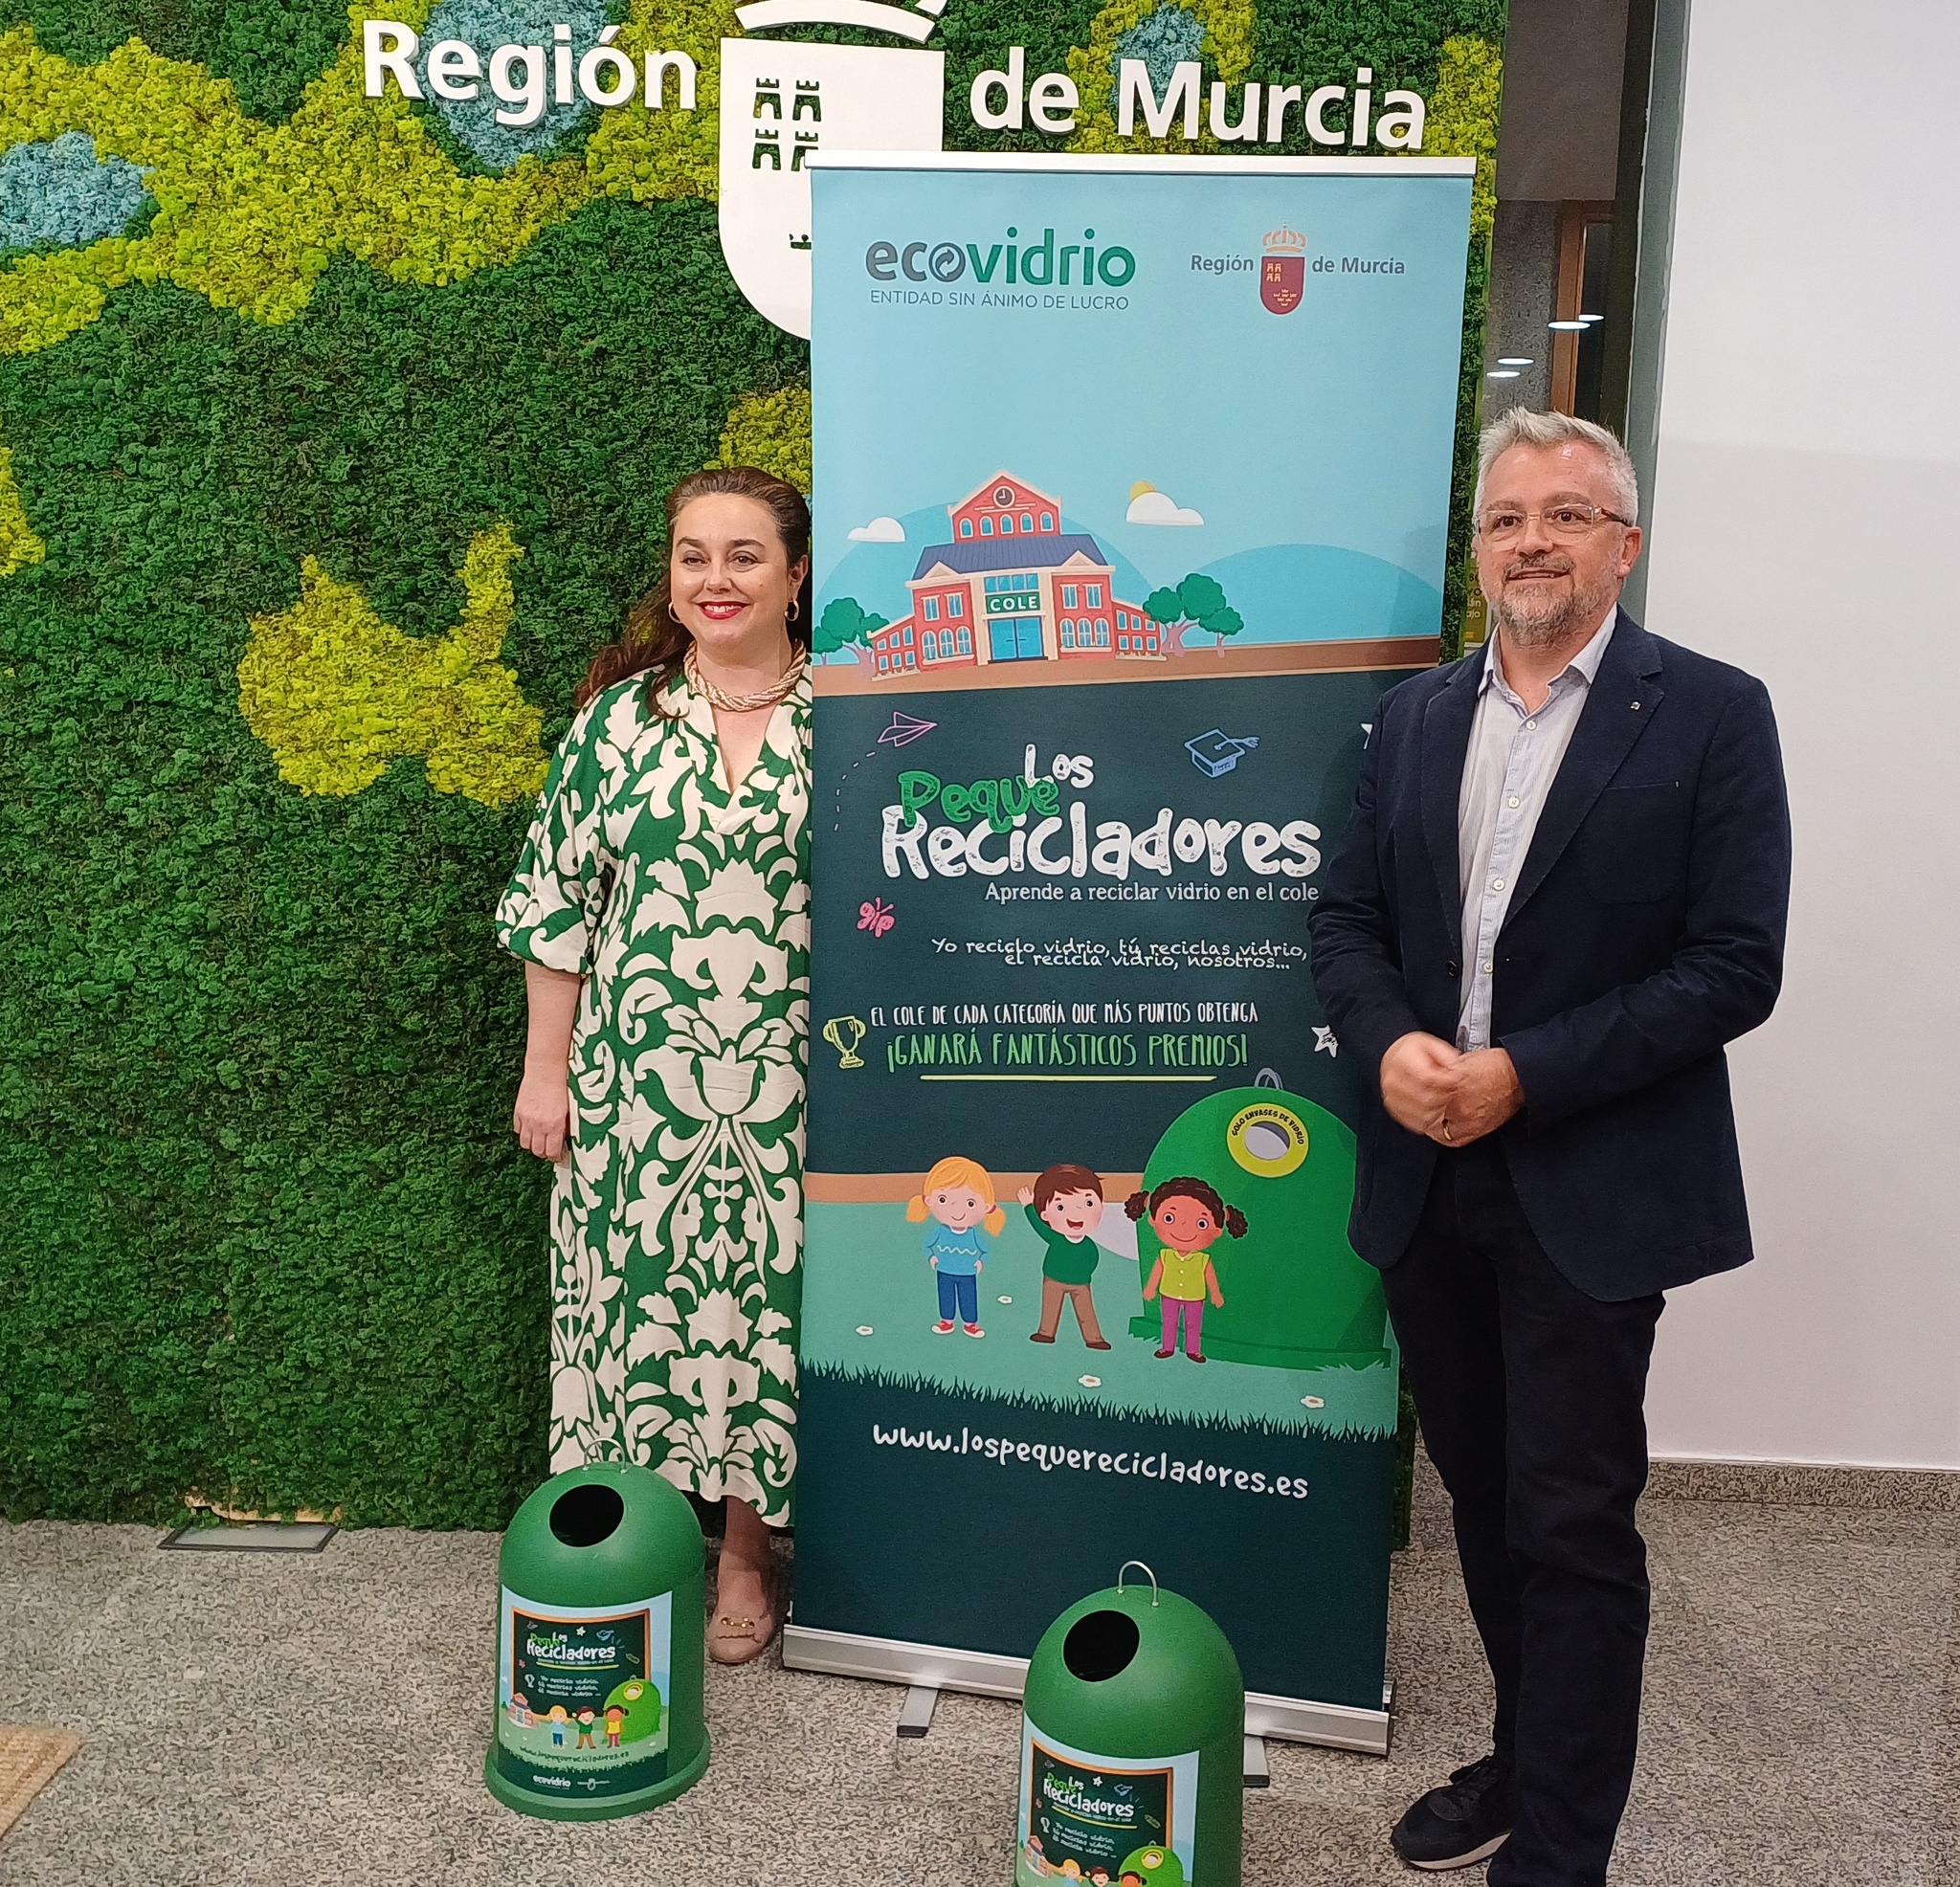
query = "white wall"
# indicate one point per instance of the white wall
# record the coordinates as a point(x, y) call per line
point(1806, 526)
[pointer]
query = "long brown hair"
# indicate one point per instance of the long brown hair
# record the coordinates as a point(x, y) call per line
point(654, 642)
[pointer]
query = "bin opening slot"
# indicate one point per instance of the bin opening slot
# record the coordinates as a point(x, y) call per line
point(586, 1514)
point(1100, 1645)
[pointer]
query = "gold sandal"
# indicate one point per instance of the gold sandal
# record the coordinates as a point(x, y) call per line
point(733, 1639)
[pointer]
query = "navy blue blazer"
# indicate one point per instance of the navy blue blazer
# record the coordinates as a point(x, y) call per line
point(1647, 932)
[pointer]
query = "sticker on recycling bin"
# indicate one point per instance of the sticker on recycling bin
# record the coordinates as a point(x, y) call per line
point(1102, 1813)
point(1267, 1138)
point(582, 1695)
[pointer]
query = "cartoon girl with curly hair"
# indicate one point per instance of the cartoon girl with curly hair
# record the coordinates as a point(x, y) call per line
point(1188, 1217)
point(958, 1199)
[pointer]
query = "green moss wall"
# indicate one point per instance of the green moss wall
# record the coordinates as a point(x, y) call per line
point(263, 1231)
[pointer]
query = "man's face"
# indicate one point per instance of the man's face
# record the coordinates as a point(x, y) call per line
point(1544, 585)
point(1074, 1214)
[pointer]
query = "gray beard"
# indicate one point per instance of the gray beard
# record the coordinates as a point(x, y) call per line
point(1532, 620)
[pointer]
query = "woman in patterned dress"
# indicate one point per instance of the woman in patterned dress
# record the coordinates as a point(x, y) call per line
point(661, 908)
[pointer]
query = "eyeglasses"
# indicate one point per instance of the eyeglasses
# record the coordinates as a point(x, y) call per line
point(1570, 518)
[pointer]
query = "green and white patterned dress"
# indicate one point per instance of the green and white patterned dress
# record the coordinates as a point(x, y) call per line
point(677, 1224)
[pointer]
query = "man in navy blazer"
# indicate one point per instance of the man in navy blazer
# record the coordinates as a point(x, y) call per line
point(1561, 894)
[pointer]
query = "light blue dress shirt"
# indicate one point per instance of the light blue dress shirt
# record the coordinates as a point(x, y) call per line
point(1513, 758)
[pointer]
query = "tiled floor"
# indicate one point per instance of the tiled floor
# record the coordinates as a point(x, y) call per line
point(273, 1720)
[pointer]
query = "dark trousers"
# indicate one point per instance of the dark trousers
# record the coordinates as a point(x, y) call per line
point(1530, 1396)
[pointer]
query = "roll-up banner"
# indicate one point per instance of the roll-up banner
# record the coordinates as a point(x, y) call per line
point(1132, 479)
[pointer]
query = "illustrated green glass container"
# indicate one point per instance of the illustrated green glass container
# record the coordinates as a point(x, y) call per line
point(1296, 1294)
point(600, 1647)
point(1133, 1745)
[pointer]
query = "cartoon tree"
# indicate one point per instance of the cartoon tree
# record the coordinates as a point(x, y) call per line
point(1198, 602)
point(844, 622)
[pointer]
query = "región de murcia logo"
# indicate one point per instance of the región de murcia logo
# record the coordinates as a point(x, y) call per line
point(1282, 271)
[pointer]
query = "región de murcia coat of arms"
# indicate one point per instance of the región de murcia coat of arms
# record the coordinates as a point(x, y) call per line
point(1282, 271)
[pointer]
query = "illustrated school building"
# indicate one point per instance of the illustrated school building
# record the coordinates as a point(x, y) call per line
point(1012, 587)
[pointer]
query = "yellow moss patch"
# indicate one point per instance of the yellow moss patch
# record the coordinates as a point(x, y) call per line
point(1462, 120)
point(770, 430)
point(660, 154)
point(18, 544)
point(337, 694)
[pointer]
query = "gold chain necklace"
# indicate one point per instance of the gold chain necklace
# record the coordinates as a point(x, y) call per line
point(761, 697)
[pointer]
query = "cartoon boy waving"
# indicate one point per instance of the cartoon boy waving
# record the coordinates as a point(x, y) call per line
point(1064, 1207)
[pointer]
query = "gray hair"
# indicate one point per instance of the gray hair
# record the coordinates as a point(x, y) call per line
point(1522, 426)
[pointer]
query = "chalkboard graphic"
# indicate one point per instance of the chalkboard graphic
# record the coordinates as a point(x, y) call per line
point(904, 730)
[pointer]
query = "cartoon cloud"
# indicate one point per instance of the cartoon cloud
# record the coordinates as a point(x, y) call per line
point(1148, 505)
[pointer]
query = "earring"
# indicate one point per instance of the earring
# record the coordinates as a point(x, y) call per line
point(796, 609)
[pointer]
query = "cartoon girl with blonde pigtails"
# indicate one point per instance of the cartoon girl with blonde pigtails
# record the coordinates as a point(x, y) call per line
point(958, 1198)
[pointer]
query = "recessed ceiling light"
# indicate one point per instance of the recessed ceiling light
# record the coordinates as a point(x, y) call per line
point(1502, 373)
point(1568, 327)
point(1514, 360)
point(1592, 317)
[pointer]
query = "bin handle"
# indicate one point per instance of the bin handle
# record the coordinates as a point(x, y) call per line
point(1156, 1594)
point(1268, 1077)
point(612, 1449)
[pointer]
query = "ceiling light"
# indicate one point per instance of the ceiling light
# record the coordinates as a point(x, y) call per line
point(1592, 317)
point(1514, 360)
point(1568, 327)
point(1502, 373)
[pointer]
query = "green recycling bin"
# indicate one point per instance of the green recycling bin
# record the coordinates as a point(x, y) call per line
point(1132, 1746)
point(599, 1648)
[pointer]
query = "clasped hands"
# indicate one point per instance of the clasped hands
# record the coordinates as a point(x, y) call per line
point(1432, 1087)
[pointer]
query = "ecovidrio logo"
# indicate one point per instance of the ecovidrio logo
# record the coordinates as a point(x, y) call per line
point(1282, 271)
point(1042, 264)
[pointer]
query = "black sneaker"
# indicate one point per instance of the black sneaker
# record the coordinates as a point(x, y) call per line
point(1462, 1824)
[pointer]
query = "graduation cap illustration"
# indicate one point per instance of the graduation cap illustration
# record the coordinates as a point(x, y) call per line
point(1214, 752)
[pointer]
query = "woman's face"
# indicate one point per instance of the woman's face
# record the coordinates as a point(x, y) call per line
point(957, 1206)
point(730, 579)
point(1185, 1224)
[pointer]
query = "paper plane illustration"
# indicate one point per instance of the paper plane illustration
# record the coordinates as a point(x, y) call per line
point(904, 730)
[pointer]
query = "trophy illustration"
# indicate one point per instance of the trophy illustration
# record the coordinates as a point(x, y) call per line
point(843, 1033)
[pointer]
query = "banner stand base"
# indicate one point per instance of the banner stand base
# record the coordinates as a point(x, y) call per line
point(988, 1674)
point(915, 1715)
